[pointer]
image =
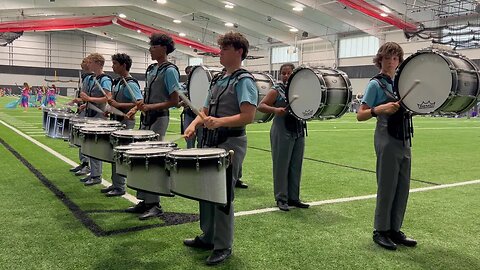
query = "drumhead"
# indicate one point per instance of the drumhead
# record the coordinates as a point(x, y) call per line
point(199, 152)
point(155, 143)
point(199, 83)
point(435, 77)
point(133, 133)
point(123, 148)
point(155, 151)
point(104, 122)
point(97, 130)
point(305, 84)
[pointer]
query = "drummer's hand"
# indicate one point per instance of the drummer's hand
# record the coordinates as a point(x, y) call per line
point(145, 107)
point(84, 96)
point(212, 122)
point(82, 107)
point(130, 114)
point(388, 108)
point(106, 114)
point(182, 104)
point(189, 132)
point(112, 102)
point(280, 111)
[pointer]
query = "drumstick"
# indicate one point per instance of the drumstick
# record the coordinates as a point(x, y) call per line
point(415, 83)
point(179, 138)
point(114, 110)
point(189, 104)
point(294, 97)
point(131, 92)
point(99, 86)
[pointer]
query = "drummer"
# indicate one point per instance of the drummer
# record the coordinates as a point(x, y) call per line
point(122, 100)
point(392, 147)
point(287, 140)
point(86, 76)
point(229, 107)
point(161, 81)
point(95, 96)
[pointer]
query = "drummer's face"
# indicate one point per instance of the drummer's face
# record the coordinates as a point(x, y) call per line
point(285, 74)
point(390, 62)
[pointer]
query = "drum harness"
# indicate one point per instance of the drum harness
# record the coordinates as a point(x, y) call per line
point(151, 116)
point(400, 124)
point(120, 81)
point(89, 92)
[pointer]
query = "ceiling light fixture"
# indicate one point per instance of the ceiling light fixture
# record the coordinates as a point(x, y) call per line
point(229, 24)
point(293, 30)
point(161, 1)
point(229, 6)
point(177, 21)
point(182, 34)
point(385, 9)
point(298, 8)
point(139, 31)
point(121, 15)
point(384, 14)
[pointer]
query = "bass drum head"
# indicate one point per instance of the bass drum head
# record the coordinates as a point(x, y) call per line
point(306, 85)
point(435, 77)
point(199, 83)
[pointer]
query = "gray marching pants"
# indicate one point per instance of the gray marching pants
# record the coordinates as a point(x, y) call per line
point(160, 127)
point(287, 160)
point(118, 181)
point(217, 227)
point(95, 164)
point(393, 179)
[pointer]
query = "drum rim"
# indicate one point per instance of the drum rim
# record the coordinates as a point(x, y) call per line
point(205, 68)
point(190, 157)
point(322, 99)
point(157, 154)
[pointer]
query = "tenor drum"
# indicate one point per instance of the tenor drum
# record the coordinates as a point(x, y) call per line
point(146, 170)
point(73, 121)
point(57, 125)
point(264, 83)
point(449, 82)
point(322, 93)
point(123, 137)
point(121, 167)
point(95, 142)
point(199, 173)
point(199, 84)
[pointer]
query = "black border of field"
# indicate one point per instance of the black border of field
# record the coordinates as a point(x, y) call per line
point(169, 218)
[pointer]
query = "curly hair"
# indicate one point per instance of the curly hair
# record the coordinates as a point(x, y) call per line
point(387, 50)
point(162, 40)
point(290, 65)
point(236, 40)
point(123, 58)
point(97, 58)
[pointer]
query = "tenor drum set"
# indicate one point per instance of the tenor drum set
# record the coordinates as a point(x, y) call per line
point(313, 93)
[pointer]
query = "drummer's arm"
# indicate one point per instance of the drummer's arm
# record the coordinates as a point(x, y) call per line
point(266, 105)
point(364, 112)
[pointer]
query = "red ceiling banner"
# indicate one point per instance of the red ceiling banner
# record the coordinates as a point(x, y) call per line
point(59, 24)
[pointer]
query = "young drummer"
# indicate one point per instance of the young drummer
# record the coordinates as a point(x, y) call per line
point(392, 147)
point(287, 139)
point(230, 106)
point(162, 79)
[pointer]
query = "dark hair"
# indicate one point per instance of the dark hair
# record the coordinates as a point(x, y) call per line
point(236, 40)
point(188, 69)
point(387, 50)
point(290, 65)
point(123, 58)
point(162, 40)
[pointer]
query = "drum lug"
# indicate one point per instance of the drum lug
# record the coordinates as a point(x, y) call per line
point(197, 165)
point(128, 162)
point(146, 163)
point(174, 166)
point(96, 138)
point(220, 164)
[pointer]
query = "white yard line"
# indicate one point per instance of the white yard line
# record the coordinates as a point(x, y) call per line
point(364, 129)
point(358, 198)
point(61, 157)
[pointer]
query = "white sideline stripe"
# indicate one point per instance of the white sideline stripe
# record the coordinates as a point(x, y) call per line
point(35, 132)
point(334, 129)
point(358, 198)
point(63, 158)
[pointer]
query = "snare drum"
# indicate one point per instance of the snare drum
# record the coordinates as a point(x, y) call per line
point(199, 83)
point(91, 123)
point(73, 121)
point(121, 167)
point(264, 83)
point(95, 142)
point(123, 137)
point(449, 82)
point(323, 93)
point(46, 110)
point(146, 170)
point(199, 173)
point(57, 125)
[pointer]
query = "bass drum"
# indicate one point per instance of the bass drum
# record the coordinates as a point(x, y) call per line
point(321, 93)
point(199, 84)
point(264, 83)
point(449, 82)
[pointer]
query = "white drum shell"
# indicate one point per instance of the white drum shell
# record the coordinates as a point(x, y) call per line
point(96, 144)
